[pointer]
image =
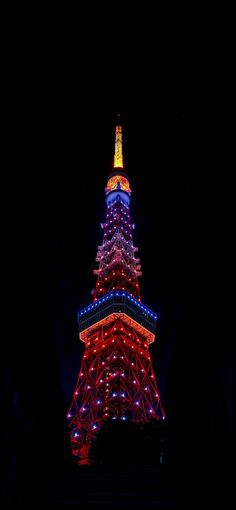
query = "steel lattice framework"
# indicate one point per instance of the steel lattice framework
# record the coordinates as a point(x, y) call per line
point(116, 380)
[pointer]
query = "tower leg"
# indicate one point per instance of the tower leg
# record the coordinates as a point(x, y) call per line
point(82, 453)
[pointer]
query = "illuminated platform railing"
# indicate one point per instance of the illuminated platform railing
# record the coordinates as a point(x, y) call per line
point(117, 302)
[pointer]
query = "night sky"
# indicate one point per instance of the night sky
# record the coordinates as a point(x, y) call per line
point(171, 155)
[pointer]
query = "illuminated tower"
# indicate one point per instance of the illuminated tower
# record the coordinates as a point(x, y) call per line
point(116, 380)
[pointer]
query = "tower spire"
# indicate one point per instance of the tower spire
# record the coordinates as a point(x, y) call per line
point(118, 156)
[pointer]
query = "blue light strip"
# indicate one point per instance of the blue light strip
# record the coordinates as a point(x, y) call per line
point(117, 293)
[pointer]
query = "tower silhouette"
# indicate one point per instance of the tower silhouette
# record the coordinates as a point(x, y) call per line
point(116, 379)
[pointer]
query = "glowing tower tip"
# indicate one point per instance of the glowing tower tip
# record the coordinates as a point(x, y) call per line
point(118, 157)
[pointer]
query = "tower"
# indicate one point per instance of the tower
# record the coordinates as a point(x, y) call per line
point(116, 379)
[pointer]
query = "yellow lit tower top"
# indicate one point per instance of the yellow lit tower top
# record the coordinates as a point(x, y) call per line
point(118, 157)
point(118, 181)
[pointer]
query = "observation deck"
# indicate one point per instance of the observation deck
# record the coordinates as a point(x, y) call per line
point(117, 304)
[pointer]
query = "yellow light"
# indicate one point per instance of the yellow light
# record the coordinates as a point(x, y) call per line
point(118, 158)
point(118, 181)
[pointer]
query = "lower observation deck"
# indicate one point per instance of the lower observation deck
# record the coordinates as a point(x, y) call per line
point(118, 304)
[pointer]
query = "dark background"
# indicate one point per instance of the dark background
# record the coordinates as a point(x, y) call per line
point(174, 143)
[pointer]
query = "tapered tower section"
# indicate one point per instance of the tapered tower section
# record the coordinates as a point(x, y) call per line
point(116, 380)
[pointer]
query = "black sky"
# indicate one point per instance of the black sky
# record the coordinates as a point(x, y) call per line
point(64, 121)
